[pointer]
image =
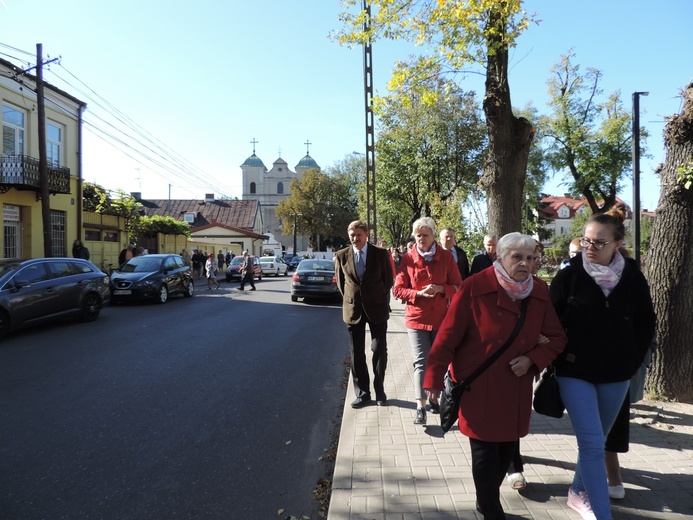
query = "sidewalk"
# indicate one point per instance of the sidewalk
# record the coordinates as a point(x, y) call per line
point(389, 468)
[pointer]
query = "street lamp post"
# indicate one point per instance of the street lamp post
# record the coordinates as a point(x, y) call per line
point(636, 173)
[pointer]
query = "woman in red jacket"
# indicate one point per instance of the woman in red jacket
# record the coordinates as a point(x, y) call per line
point(495, 412)
point(427, 278)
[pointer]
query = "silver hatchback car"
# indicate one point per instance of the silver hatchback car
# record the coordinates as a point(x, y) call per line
point(43, 289)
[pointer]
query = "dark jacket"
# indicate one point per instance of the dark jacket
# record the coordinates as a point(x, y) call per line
point(481, 262)
point(366, 298)
point(607, 336)
point(462, 262)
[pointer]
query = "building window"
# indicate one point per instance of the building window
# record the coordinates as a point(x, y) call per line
point(563, 212)
point(12, 232)
point(280, 188)
point(58, 233)
point(12, 131)
point(189, 218)
point(252, 187)
point(92, 235)
point(54, 144)
point(110, 236)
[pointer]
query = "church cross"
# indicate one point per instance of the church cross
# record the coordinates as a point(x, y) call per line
point(307, 143)
point(254, 142)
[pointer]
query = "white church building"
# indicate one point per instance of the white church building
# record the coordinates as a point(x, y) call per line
point(269, 187)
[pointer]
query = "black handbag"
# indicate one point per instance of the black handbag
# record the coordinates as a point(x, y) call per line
point(452, 392)
point(547, 396)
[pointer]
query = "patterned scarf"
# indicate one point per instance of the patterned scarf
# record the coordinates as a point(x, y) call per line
point(427, 257)
point(605, 276)
point(516, 290)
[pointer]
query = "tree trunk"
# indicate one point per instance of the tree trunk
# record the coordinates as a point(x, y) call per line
point(510, 138)
point(670, 264)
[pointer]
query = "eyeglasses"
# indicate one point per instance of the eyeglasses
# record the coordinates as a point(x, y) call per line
point(598, 245)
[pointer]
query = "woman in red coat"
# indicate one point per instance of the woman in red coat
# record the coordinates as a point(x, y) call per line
point(495, 412)
point(427, 278)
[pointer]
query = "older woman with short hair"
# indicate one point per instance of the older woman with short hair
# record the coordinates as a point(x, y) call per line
point(427, 278)
point(494, 413)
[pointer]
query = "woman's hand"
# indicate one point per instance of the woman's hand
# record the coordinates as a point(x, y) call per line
point(430, 291)
point(431, 394)
point(543, 340)
point(520, 365)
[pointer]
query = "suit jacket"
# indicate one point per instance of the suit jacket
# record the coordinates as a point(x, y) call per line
point(462, 262)
point(367, 298)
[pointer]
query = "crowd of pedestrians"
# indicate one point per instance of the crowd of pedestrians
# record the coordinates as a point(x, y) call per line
point(594, 323)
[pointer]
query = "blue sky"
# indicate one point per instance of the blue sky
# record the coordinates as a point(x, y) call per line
point(203, 79)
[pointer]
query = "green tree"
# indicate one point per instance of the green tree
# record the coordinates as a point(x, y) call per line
point(456, 34)
point(430, 150)
point(150, 226)
point(326, 207)
point(587, 140)
point(98, 200)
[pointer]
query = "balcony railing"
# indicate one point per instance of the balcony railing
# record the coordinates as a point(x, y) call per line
point(22, 173)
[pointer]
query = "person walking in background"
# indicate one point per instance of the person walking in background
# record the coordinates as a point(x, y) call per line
point(485, 259)
point(364, 278)
point(396, 258)
point(211, 272)
point(448, 241)
point(495, 413)
point(573, 250)
point(186, 257)
point(220, 260)
point(428, 278)
point(604, 302)
point(247, 270)
point(126, 254)
point(197, 260)
point(79, 251)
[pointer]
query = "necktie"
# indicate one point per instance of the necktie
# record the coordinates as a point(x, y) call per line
point(360, 264)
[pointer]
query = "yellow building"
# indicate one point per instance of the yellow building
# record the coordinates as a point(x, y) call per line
point(20, 188)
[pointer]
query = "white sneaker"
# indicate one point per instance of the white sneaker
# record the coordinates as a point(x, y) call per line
point(580, 502)
point(517, 481)
point(618, 492)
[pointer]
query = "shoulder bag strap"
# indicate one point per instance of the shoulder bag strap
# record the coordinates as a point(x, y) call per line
point(464, 385)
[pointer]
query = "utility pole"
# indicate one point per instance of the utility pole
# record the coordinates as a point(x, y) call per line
point(43, 160)
point(636, 173)
point(370, 127)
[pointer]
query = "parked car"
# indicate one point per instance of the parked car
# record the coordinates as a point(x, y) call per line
point(233, 270)
point(43, 289)
point(154, 277)
point(273, 265)
point(314, 279)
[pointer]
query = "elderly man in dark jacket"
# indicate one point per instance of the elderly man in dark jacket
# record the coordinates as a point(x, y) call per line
point(364, 277)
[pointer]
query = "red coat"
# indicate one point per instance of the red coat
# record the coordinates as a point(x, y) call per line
point(414, 274)
point(498, 406)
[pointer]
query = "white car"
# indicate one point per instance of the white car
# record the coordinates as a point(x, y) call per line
point(273, 265)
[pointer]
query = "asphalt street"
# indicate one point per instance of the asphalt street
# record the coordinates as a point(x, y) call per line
point(218, 406)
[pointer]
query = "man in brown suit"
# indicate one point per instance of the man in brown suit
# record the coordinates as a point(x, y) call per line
point(364, 278)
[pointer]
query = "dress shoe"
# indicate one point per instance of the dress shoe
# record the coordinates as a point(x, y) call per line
point(420, 416)
point(433, 407)
point(360, 402)
point(380, 399)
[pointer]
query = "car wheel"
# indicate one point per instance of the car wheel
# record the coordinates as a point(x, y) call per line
point(277, 273)
point(286, 273)
point(91, 307)
point(294, 298)
point(190, 290)
point(163, 294)
point(4, 324)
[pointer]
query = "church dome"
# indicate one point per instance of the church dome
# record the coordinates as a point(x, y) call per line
point(307, 162)
point(254, 161)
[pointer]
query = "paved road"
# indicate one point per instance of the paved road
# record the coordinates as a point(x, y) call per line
point(218, 406)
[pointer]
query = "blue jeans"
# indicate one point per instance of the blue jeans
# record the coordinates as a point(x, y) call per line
point(420, 341)
point(593, 409)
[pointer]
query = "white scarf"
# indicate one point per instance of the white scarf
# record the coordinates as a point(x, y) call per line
point(516, 290)
point(605, 276)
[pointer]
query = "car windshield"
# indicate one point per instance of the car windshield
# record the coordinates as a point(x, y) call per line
point(6, 268)
point(266, 259)
point(316, 265)
point(237, 260)
point(141, 264)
